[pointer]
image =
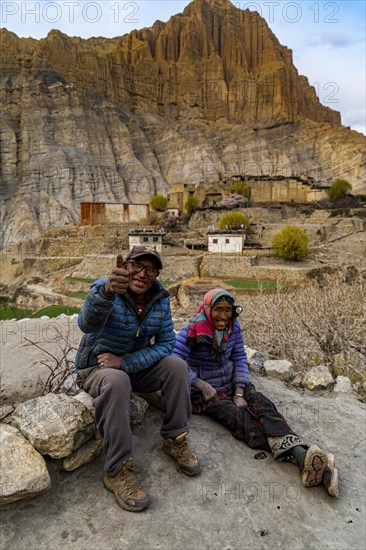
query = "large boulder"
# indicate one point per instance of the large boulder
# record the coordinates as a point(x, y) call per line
point(56, 425)
point(23, 470)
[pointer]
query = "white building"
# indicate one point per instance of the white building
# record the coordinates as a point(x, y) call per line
point(225, 242)
point(138, 237)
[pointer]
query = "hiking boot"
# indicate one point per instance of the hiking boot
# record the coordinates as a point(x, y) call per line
point(178, 449)
point(319, 467)
point(127, 489)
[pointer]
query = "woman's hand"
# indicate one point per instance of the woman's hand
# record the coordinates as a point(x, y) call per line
point(208, 392)
point(107, 360)
point(239, 401)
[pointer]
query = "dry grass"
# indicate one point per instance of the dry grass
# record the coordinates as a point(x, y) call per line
point(321, 322)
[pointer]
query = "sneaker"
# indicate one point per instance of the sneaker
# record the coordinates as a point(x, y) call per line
point(330, 478)
point(318, 464)
point(127, 489)
point(178, 449)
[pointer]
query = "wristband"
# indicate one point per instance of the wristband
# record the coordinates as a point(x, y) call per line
point(238, 395)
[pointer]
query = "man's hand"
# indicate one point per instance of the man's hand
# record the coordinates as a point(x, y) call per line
point(208, 392)
point(107, 360)
point(117, 282)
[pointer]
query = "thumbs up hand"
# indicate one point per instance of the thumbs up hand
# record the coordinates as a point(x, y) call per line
point(117, 282)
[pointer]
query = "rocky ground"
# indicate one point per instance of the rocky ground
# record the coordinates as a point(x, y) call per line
point(237, 502)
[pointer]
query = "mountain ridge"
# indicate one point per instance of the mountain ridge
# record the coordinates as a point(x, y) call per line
point(209, 94)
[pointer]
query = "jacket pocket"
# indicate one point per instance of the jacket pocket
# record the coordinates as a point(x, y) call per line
point(84, 353)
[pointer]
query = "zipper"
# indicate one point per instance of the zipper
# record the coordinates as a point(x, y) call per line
point(129, 302)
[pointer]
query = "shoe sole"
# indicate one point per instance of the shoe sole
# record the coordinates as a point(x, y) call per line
point(314, 464)
point(333, 483)
point(191, 472)
point(141, 506)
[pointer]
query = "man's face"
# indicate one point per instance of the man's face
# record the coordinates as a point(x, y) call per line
point(141, 282)
point(221, 314)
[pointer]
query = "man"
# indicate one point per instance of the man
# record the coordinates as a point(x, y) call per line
point(126, 347)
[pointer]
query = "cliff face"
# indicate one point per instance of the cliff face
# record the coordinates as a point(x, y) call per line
point(209, 94)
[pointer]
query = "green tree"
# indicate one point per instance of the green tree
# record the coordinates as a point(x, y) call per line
point(339, 189)
point(159, 203)
point(233, 220)
point(190, 204)
point(292, 243)
point(240, 188)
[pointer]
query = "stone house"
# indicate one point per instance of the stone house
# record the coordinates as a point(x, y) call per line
point(104, 213)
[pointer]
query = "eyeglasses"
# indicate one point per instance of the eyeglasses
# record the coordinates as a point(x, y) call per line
point(149, 270)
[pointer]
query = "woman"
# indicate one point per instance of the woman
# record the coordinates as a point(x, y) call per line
point(212, 344)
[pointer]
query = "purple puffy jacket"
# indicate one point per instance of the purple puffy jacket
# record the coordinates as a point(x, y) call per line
point(224, 371)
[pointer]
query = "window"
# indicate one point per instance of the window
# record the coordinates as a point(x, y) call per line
point(215, 241)
point(227, 241)
point(155, 239)
point(145, 239)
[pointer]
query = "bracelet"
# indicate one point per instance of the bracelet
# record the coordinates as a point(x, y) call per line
point(238, 395)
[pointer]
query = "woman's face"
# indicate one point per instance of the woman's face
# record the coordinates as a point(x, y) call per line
point(221, 314)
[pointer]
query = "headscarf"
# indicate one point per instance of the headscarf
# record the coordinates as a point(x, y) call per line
point(201, 328)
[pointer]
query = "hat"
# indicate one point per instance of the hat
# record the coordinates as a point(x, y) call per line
point(139, 251)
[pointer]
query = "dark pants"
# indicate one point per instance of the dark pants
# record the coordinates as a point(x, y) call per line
point(111, 390)
point(260, 424)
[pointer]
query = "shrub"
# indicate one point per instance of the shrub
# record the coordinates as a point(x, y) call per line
point(240, 188)
point(234, 200)
point(338, 189)
point(159, 203)
point(190, 204)
point(291, 243)
point(233, 220)
point(311, 320)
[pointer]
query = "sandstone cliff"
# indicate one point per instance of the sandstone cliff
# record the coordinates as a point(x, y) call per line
point(209, 94)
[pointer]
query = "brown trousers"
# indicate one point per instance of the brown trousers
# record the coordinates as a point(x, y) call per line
point(111, 390)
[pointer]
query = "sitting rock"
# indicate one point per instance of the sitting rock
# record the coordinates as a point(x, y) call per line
point(84, 454)
point(153, 398)
point(56, 425)
point(23, 470)
point(138, 406)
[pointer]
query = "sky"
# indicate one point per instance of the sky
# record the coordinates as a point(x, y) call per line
point(327, 38)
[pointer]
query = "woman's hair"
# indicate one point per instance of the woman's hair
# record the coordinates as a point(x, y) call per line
point(227, 299)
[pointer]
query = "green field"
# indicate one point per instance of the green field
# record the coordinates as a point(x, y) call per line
point(79, 280)
point(250, 284)
point(81, 294)
point(166, 284)
point(10, 312)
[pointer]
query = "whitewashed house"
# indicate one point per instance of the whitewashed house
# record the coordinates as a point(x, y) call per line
point(225, 241)
point(146, 237)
